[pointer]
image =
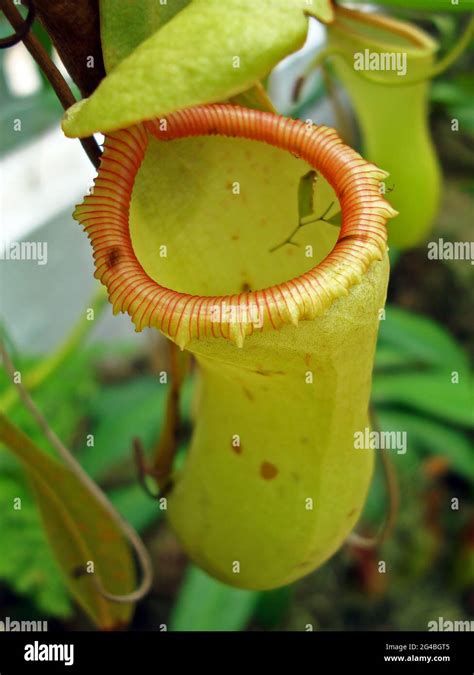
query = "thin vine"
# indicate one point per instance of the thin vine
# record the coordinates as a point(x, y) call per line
point(52, 73)
point(127, 530)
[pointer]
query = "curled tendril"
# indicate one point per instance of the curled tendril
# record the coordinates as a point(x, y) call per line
point(22, 31)
point(126, 529)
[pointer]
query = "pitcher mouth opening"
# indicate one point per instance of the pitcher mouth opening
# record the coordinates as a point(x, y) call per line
point(182, 317)
point(390, 33)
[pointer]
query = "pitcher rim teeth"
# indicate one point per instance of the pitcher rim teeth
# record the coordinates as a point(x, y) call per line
point(362, 237)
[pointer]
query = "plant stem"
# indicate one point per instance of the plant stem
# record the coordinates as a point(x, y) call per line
point(74, 29)
point(127, 530)
point(58, 83)
point(165, 450)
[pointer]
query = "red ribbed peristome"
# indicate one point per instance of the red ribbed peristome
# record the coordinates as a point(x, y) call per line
point(182, 317)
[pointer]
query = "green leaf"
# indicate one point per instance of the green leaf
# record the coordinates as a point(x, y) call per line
point(124, 25)
point(122, 413)
point(388, 357)
point(205, 604)
point(432, 393)
point(464, 113)
point(455, 94)
point(138, 508)
point(421, 339)
point(453, 91)
point(273, 606)
point(79, 531)
point(208, 52)
point(27, 564)
point(432, 437)
point(76, 386)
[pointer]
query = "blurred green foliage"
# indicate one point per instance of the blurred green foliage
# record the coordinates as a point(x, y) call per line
point(31, 570)
point(205, 604)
